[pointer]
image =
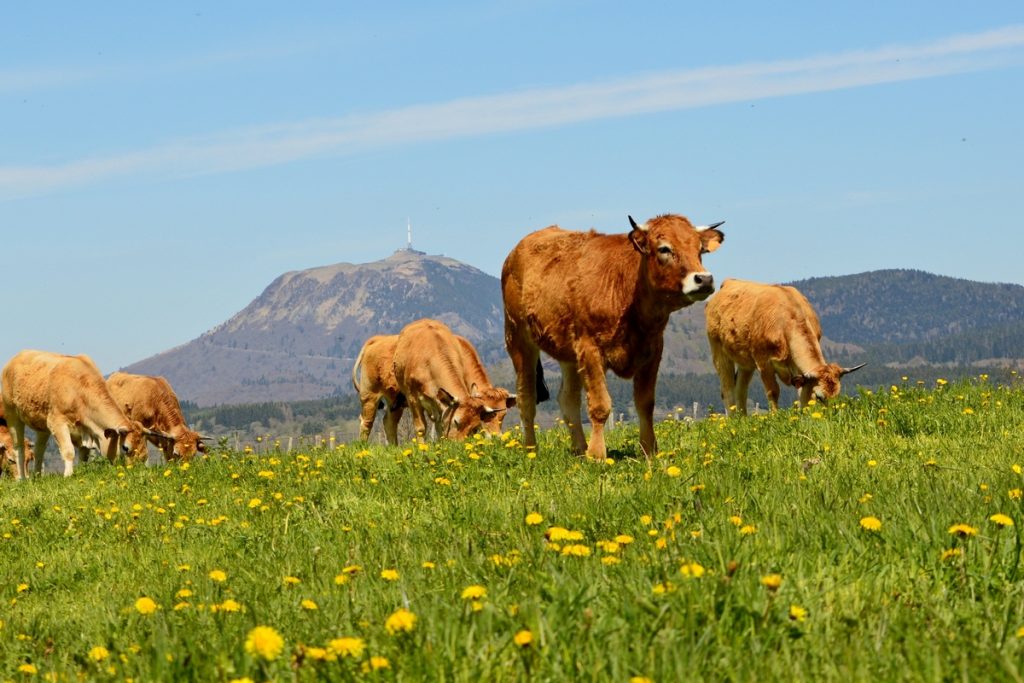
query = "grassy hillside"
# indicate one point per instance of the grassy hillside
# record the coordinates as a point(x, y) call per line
point(879, 538)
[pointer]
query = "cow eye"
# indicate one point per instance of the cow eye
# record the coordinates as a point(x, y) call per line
point(665, 249)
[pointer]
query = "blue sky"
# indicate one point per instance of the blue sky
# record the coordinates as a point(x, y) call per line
point(160, 164)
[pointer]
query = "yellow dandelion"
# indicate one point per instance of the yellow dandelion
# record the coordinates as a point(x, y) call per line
point(1001, 520)
point(308, 604)
point(673, 471)
point(255, 503)
point(736, 520)
point(292, 580)
point(352, 569)
point(347, 647)
point(748, 529)
point(428, 565)
point(534, 518)
point(376, 663)
point(99, 653)
point(640, 679)
point(771, 581)
point(22, 587)
point(1015, 494)
point(871, 523)
point(146, 605)
point(610, 560)
point(523, 638)
point(576, 550)
point(341, 579)
point(29, 669)
point(963, 530)
point(692, 570)
point(230, 605)
point(389, 574)
point(400, 621)
point(950, 553)
point(218, 575)
point(474, 592)
point(797, 613)
point(1020, 632)
point(623, 539)
point(317, 653)
point(264, 642)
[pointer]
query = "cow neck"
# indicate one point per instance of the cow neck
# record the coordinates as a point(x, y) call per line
point(804, 349)
point(648, 310)
point(450, 379)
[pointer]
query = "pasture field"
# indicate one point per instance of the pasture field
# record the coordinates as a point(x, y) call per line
point(877, 538)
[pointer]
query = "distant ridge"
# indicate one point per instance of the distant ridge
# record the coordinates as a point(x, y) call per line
point(297, 340)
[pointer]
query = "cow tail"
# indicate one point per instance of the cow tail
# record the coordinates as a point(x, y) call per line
point(542, 388)
point(355, 370)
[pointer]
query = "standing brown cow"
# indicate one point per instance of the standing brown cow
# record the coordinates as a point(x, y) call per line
point(594, 302)
point(65, 396)
point(774, 329)
point(430, 372)
point(152, 402)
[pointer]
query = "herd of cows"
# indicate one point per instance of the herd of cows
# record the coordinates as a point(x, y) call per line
point(593, 302)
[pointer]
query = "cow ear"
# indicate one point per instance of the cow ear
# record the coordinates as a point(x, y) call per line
point(445, 398)
point(510, 402)
point(798, 381)
point(710, 240)
point(474, 390)
point(638, 236)
point(128, 410)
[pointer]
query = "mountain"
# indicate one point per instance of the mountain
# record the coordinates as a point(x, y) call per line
point(298, 339)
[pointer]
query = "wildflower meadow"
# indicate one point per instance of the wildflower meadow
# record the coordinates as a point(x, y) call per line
point(877, 537)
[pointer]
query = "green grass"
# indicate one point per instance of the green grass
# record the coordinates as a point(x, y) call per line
point(782, 494)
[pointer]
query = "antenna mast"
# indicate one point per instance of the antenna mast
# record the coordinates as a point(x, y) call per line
point(408, 226)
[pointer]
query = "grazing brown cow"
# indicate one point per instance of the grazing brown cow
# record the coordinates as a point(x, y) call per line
point(152, 402)
point(8, 464)
point(65, 396)
point(774, 329)
point(430, 373)
point(373, 376)
point(594, 302)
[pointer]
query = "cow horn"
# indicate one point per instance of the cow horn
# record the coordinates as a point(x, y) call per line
point(847, 371)
point(810, 377)
point(702, 228)
point(641, 228)
point(205, 437)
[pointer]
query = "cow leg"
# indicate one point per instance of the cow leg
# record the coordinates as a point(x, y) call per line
point(525, 357)
point(570, 400)
point(599, 402)
point(419, 423)
point(726, 377)
point(62, 434)
point(391, 420)
point(771, 386)
point(644, 383)
point(367, 415)
point(42, 440)
point(18, 442)
point(743, 378)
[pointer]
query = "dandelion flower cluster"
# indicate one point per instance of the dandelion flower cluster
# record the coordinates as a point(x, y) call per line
point(400, 621)
point(264, 642)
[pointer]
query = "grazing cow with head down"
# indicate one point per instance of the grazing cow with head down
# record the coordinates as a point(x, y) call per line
point(152, 402)
point(771, 328)
point(65, 396)
point(430, 371)
point(596, 302)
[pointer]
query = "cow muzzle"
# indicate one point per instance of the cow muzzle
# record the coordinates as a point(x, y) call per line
point(698, 286)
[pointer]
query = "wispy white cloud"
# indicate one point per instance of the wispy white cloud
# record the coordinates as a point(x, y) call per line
point(532, 109)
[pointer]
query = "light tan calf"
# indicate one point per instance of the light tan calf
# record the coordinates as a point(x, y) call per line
point(152, 402)
point(65, 396)
point(773, 329)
